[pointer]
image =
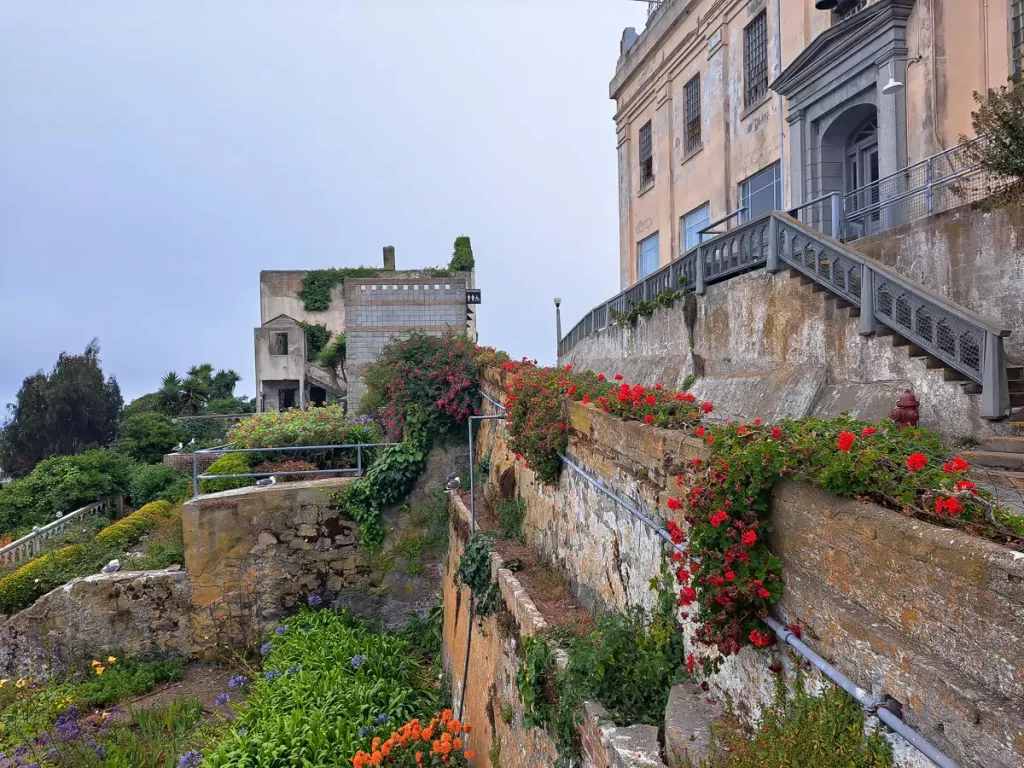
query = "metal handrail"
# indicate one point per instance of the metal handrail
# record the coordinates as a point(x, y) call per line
point(31, 544)
point(716, 222)
point(356, 470)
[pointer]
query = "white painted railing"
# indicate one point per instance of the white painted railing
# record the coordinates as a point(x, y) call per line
point(32, 544)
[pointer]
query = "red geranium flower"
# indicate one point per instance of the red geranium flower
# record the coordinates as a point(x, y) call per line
point(648, 418)
point(749, 539)
point(674, 504)
point(600, 377)
point(845, 441)
point(651, 400)
point(718, 518)
point(699, 432)
point(777, 433)
point(618, 377)
point(706, 407)
point(966, 485)
point(586, 399)
point(956, 465)
point(867, 431)
point(916, 461)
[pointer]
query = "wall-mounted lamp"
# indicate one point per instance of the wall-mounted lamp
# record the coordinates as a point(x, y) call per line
point(825, 5)
point(894, 85)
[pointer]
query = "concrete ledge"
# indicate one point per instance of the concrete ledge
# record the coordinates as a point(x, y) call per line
point(688, 718)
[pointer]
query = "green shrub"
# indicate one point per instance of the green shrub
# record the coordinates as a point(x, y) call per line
point(317, 285)
point(228, 464)
point(462, 255)
point(125, 679)
point(316, 426)
point(146, 437)
point(511, 514)
point(324, 678)
point(153, 482)
point(24, 586)
point(63, 483)
point(317, 337)
point(998, 117)
point(803, 731)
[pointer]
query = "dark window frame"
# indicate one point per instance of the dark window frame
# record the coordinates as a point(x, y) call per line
point(279, 341)
point(755, 60)
point(693, 138)
point(1016, 37)
point(746, 193)
point(646, 142)
point(641, 252)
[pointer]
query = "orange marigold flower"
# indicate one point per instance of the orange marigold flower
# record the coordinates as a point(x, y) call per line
point(470, 754)
point(457, 744)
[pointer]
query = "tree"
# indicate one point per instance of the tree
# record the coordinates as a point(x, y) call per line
point(222, 386)
point(169, 396)
point(1000, 118)
point(146, 437)
point(462, 256)
point(60, 413)
point(332, 357)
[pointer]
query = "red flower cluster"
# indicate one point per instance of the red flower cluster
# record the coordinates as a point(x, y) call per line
point(760, 639)
point(956, 464)
point(950, 507)
point(916, 461)
point(845, 441)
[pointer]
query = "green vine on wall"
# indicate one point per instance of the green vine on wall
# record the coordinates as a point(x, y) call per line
point(317, 285)
point(317, 337)
point(475, 573)
point(667, 298)
point(462, 256)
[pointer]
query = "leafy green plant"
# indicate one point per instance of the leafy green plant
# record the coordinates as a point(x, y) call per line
point(462, 255)
point(153, 482)
point(647, 307)
point(317, 337)
point(802, 731)
point(315, 426)
point(50, 570)
point(63, 483)
point(511, 515)
point(326, 689)
point(1001, 153)
point(228, 464)
point(146, 437)
point(475, 573)
point(333, 356)
point(124, 679)
point(317, 285)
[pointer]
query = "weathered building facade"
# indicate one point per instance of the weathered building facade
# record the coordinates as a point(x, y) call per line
point(745, 106)
point(369, 311)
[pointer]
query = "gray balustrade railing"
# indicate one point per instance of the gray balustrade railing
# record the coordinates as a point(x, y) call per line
point(33, 544)
point(961, 339)
point(938, 183)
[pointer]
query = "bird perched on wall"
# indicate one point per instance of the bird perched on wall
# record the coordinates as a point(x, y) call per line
point(266, 481)
point(59, 515)
point(192, 441)
point(177, 448)
point(453, 484)
point(111, 567)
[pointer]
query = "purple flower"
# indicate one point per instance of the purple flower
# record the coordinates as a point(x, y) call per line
point(363, 731)
point(242, 731)
point(280, 629)
point(221, 700)
point(272, 674)
point(382, 718)
point(357, 661)
point(314, 600)
point(293, 669)
point(191, 759)
point(265, 648)
point(238, 682)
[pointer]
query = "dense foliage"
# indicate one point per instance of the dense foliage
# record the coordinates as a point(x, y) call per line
point(228, 464)
point(63, 484)
point(153, 482)
point(61, 413)
point(803, 731)
point(50, 570)
point(436, 376)
point(317, 285)
point(317, 337)
point(462, 255)
point(998, 118)
point(327, 689)
point(646, 307)
point(332, 357)
point(315, 426)
point(535, 399)
point(629, 662)
point(388, 480)
point(146, 437)
point(727, 568)
point(475, 573)
point(441, 743)
point(191, 396)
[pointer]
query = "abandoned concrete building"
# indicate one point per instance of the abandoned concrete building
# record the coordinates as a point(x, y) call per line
point(367, 310)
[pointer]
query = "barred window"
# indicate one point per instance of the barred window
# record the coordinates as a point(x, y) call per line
point(1017, 34)
point(646, 157)
point(755, 59)
point(691, 99)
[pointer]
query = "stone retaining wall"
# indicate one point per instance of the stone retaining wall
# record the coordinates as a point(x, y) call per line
point(140, 614)
point(929, 615)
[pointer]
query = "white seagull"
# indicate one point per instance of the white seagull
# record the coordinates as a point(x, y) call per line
point(266, 482)
point(59, 515)
point(192, 441)
point(177, 448)
point(111, 567)
point(453, 484)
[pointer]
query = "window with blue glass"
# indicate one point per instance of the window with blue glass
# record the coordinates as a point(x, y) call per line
point(693, 223)
point(646, 256)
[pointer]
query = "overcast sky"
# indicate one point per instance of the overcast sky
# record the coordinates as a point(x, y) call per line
point(154, 157)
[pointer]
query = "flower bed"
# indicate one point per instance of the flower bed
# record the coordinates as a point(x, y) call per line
point(315, 426)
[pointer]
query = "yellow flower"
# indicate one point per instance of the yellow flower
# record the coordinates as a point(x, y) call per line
point(95, 663)
point(99, 669)
point(3, 683)
point(20, 684)
point(111, 660)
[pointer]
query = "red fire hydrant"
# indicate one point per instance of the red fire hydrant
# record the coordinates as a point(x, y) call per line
point(906, 412)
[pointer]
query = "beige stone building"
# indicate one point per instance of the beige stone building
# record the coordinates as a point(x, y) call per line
point(744, 106)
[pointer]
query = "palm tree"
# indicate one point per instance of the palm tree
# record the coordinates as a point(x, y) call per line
point(332, 357)
point(195, 392)
point(169, 396)
point(223, 384)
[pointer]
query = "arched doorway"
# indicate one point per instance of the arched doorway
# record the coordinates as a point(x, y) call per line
point(850, 166)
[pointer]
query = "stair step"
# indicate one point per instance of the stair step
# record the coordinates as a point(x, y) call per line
point(1003, 444)
point(884, 330)
point(900, 341)
point(950, 375)
point(998, 459)
point(1015, 371)
point(1017, 399)
point(972, 388)
point(817, 287)
point(1005, 478)
point(805, 280)
point(854, 311)
point(1016, 385)
point(916, 351)
point(841, 303)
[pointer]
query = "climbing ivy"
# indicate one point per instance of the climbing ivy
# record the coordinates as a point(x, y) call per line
point(646, 308)
point(462, 256)
point(317, 337)
point(475, 573)
point(317, 285)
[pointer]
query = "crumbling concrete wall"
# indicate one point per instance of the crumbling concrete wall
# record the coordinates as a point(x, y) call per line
point(141, 614)
point(766, 346)
point(929, 615)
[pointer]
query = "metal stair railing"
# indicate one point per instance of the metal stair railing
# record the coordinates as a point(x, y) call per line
point(33, 544)
point(961, 339)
